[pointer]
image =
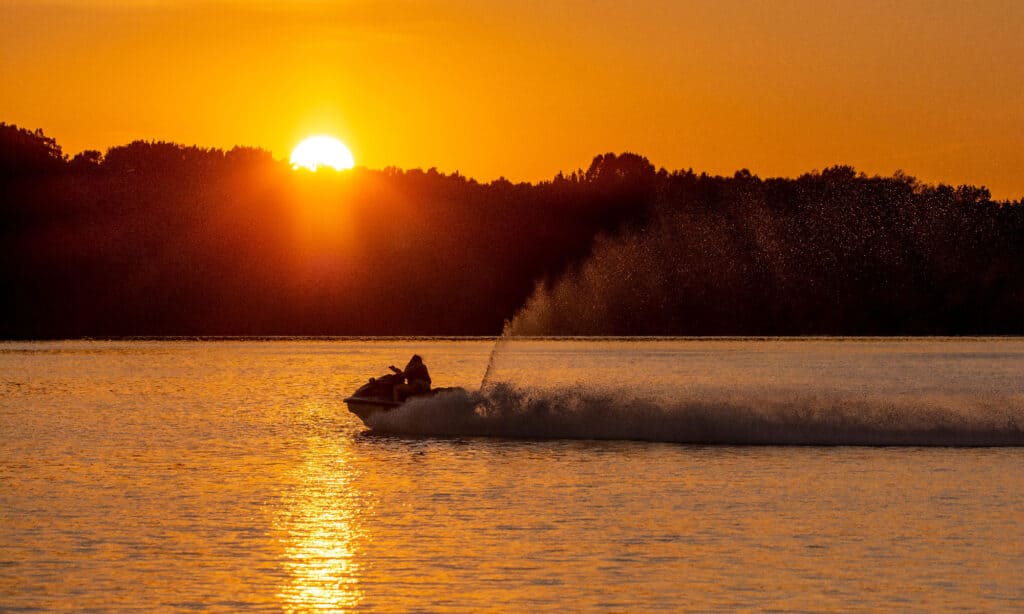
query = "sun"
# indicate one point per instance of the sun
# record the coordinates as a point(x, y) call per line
point(317, 151)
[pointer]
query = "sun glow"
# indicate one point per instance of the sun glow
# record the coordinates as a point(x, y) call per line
point(317, 151)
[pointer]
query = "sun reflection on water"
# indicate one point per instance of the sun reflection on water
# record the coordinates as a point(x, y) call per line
point(320, 533)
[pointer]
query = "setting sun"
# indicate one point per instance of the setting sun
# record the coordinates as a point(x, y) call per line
point(317, 151)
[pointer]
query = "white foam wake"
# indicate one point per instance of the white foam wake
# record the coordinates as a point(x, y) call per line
point(767, 418)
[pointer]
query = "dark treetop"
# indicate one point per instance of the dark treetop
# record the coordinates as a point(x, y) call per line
point(161, 239)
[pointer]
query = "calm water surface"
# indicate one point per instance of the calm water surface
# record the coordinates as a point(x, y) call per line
point(223, 475)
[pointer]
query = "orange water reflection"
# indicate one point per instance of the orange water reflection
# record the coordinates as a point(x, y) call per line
point(321, 533)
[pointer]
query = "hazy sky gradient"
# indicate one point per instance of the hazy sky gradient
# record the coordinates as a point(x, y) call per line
point(526, 89)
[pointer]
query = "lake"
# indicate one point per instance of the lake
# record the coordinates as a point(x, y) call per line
point(585, 474)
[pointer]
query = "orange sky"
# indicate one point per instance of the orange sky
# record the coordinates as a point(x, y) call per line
point(525, 89)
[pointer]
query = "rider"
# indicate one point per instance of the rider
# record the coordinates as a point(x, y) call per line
point(416, 374)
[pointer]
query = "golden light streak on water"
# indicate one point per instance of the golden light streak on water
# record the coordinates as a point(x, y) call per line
point(320, 534)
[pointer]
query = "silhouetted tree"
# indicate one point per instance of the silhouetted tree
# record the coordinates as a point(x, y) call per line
point(23, 151)
point(157, 238)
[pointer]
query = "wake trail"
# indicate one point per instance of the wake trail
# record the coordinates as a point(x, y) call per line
point(767, 418)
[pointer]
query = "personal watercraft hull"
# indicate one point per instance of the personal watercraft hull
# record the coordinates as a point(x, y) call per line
point(364, 407)
point(375, 397)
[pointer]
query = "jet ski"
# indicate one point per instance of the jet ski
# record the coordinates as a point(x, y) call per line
point(377, 395)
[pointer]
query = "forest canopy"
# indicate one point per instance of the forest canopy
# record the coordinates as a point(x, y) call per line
point(155, 238)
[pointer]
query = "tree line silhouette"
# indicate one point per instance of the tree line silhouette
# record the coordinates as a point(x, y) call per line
point(155, 238)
